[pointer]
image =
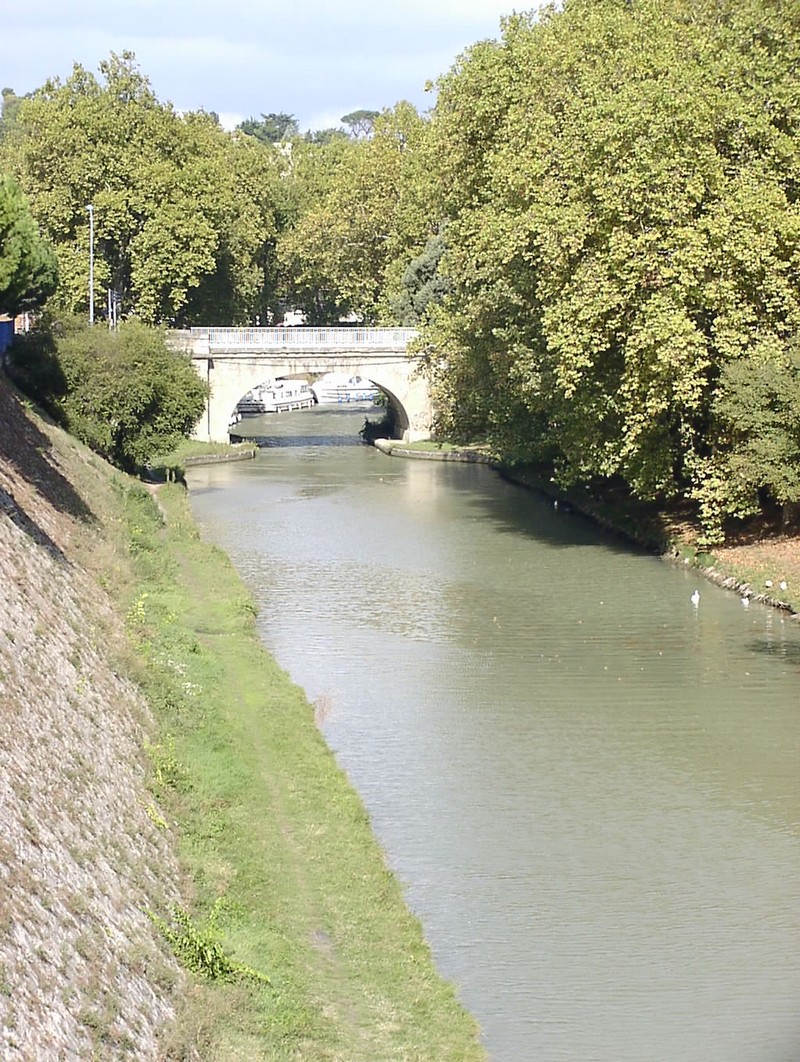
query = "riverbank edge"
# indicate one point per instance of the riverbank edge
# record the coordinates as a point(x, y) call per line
point(283, 867)
point(215, 459)
point(671, 549)
point(193, 453)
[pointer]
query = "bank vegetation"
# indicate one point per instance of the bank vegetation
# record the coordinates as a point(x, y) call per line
point(184, 870)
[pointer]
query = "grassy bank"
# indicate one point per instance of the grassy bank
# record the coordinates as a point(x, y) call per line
point(282, 868)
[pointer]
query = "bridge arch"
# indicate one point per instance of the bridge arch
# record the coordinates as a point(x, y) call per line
point(235, 360)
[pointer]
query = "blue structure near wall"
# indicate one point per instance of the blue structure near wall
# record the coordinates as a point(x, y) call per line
point(6, 335)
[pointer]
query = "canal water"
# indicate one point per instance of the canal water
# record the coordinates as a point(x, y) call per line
point(589, 786)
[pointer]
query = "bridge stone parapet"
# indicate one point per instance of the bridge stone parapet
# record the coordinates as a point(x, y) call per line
point(235, 360)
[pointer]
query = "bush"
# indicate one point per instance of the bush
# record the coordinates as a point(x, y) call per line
point(126, 394)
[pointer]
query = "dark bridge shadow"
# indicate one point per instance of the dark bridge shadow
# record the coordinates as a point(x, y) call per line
point(286, 441)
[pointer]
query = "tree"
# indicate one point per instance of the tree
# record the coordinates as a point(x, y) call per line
point(362, 223)
point(184, 223)
point(28, 271)
point(325, 136)
point(272, 128)
point(620, 187)
point(360, 123)
point(8, 110)
point(422, 285)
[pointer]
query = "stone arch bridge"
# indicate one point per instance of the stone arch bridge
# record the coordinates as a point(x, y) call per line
point(235, 360)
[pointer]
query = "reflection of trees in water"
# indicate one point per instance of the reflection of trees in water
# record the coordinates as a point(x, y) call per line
point(784, 652)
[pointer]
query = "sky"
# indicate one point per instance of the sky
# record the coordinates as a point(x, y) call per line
point(241, 58)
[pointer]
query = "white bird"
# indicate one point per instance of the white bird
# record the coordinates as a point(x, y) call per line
point(783, 585)
point(696, 598)
point(746, 602)
point(768, 584)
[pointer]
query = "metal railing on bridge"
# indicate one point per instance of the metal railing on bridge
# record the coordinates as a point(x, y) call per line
point(305, 339)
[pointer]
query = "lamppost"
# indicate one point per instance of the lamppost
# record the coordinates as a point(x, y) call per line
point(90, 208)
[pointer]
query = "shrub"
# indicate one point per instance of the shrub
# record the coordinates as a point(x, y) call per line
point(126, 394)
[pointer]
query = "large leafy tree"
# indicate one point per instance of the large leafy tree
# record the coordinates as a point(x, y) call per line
point(28, 271)
point(359, 216)
point(621, 186)
point(182, 211)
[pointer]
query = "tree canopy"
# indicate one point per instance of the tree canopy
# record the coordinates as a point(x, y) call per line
point(620, 185)
point(271, 128)
point(363, 216)
point(28, 271)
point(183, 212)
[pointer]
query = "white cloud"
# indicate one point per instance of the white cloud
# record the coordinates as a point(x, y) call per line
point(230, 121)
point(325, 120)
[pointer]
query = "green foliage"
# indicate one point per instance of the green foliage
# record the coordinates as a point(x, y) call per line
point(8, 110)
point(757, 420)
point(325, 136)
point(421, 284)
point(272, 128)
point(200, 950)
point(126, 394)
point(32, 361)
point(184, 213)
point(360, 215)
point(620, 183)
point(169, 772)
point(28, 271)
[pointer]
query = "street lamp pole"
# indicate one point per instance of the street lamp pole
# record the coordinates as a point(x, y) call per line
point(90, 208)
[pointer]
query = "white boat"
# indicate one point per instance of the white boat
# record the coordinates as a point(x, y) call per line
point(288, 394)
point(276, 396)
point(338, 387)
